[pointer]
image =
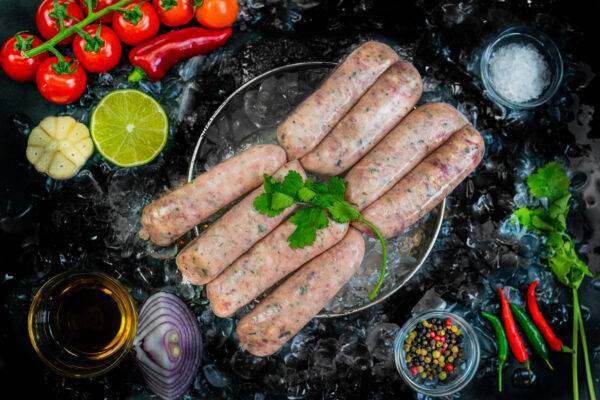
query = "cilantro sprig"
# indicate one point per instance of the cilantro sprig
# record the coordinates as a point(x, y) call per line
point(551, 183)
point(321, 201)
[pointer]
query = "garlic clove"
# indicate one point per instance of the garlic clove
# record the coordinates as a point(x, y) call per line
point(59, 147)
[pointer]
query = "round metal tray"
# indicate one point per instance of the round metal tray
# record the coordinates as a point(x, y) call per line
point(228, 131)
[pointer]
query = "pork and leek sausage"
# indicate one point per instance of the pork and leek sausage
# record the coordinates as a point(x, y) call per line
point(265, 264)
point(419, 133)
point(428, 184)
point(168, 218)
point(297, 300)
point(392, 96)
point(308, 124)
point(230, 236)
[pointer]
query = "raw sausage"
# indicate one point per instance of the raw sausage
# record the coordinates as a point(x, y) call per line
point(392, 96)
point(419, 133)
point(293, 304)
point(230, 236)
point(166, 219)
point(308, 124)
point(265, 264)
point(428, 184)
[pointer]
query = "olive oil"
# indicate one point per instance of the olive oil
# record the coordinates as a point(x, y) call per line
point(82, 324)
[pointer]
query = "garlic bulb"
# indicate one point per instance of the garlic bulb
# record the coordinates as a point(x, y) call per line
point(59, 147)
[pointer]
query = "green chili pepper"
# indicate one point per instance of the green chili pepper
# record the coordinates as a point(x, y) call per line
point(535, 338)
point(501, 341)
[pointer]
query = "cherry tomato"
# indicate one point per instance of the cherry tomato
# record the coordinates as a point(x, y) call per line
point(217, 14)
point(174, 12)
point(100, 51)
point(50, 14)
point(14, 64)
point(98, 5)
point(136, 25)
point(61, 82)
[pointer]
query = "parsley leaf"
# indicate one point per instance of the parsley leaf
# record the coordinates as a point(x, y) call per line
point(337, 187)
point(305, 194)
point(550, 181)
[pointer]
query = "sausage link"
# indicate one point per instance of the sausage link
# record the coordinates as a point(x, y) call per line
point(166, 219)
point(265, 264)
point(308, 124)
point(282, 314)
point(428, 184)
point(419, 133)
point(230, 236)
point(392, 96)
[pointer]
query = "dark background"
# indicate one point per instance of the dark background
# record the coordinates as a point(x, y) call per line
point(272, 35)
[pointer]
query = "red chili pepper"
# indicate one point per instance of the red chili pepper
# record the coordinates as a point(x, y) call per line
point(154, 58)
point(538, 319)
point(448, 323)
point(517, 345)
point(449, 367)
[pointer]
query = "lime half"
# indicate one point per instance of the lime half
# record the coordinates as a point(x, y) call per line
point(129, 128)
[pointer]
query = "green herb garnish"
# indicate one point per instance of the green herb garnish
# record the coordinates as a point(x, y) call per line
point(322, 201)
point(551, 182)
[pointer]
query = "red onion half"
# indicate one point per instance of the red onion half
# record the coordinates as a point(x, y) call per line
point(168, 345)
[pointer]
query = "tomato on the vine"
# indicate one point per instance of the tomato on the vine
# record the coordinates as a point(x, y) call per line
point(98, 5)
point(52, 15)
point(174, 12)
point(61, 81)
point(99, 50)
point(14, 63)
point(216, 14)
point(138, 23)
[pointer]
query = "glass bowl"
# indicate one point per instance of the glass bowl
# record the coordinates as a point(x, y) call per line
point(463, 372)
point(547, 49)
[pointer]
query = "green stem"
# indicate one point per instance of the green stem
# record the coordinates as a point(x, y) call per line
point(69, 31)
point(56, 53)
point(88, 38)
point(377, 233)
point(575, 345)
point(500, 365)
point(136, 75)
point(90, 6)
point(586, 357)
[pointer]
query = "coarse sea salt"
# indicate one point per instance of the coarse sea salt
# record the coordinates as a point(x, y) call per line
point(519, 73)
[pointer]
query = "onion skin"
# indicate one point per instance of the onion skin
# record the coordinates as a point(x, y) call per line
point(168, 345)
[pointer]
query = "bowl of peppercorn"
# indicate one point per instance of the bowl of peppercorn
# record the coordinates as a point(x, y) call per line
point(437, 353)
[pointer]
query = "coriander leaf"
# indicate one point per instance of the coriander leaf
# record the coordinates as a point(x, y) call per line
point(549, 181)
point(308, 221)
point(558, 210)
point(281, 201)
point(342, 212)
point(317, 187)
point(337, 187)
point(262, 204)
point(270, 184)
point(324, 200)
point(304, 235)
point(292, 183)
point(305, 194)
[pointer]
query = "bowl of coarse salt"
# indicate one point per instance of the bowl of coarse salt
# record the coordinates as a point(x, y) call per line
point(521, 68)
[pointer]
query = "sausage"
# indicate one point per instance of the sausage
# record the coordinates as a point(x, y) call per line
point(166, 219)
point(265, 264)
point(392, 96)
point(419, 133)
point(428, 184)
point(278, 317)
point(230, 236)
point(308, 124)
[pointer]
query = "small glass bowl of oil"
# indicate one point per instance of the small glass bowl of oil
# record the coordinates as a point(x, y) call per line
point(82, 324)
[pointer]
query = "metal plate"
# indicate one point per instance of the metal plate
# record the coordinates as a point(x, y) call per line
point(234, 126)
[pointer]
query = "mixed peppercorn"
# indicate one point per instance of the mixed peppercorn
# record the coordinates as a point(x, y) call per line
point(433, 349)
